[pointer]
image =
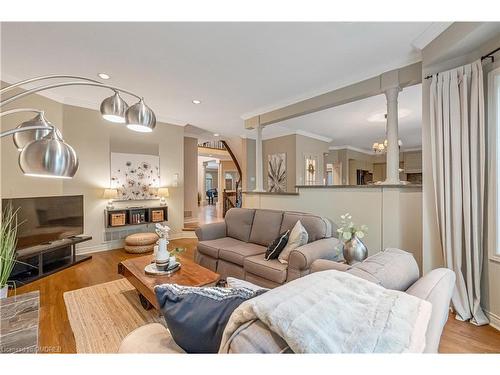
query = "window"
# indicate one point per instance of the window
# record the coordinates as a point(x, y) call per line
point(311, 170)
point(208, 182)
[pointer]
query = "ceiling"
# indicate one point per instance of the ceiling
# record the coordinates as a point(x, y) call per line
point(361, 123)
point(235, 69)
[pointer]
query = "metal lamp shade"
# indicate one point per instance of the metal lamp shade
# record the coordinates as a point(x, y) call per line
point(140, 118)
point(21, 139)
point(113, 108)
point(49, 157)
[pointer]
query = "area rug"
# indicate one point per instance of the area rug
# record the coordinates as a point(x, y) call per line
point(102, 315)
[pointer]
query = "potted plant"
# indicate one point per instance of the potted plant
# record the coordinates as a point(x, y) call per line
point(8, 241)
point(354, 249)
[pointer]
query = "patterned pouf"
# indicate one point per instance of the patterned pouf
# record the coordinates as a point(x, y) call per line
point(140, 242)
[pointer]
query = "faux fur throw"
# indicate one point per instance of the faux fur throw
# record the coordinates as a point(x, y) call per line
point(335, 312)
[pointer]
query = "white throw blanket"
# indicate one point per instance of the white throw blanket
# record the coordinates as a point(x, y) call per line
point(335, 312)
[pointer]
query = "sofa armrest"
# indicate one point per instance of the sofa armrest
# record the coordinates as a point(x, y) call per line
point(211, 231)
point(302, 257)
point(325, 265)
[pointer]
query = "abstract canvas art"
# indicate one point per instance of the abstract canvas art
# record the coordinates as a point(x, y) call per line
point(135, 176)
point(276, 172)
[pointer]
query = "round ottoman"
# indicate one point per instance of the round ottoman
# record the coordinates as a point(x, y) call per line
point(140, 242)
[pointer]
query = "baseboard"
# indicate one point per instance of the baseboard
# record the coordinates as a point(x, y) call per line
point(111, 245)
point(494, 320)
point(118, 244)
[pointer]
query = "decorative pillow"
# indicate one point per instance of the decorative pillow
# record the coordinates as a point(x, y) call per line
point(276, 247)
point(196, 317)
point(298, 237)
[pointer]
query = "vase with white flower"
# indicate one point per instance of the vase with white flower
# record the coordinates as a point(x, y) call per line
point(354, 249)
point(162, 257)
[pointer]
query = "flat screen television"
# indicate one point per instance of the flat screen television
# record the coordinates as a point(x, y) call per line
point(47, 219)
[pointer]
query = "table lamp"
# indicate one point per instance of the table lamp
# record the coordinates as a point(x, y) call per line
point(110, 194)
point(163, 193)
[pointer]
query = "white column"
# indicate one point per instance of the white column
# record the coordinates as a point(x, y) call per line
point(259, 186)
point(392, 161)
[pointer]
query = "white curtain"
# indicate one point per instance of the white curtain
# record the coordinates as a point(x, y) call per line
point(458, 147)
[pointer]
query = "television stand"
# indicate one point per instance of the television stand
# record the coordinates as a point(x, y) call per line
point(45, 259)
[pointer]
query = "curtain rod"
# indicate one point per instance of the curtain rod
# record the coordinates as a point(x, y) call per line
point(489, 55)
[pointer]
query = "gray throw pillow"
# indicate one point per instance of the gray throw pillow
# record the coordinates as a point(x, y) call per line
point(196, 317)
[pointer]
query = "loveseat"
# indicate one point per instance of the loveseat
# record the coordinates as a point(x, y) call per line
point(393, 269)
point(236, 246)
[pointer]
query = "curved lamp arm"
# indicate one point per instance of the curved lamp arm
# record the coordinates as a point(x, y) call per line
point(18, 130)
point(54, 85)
point(17, 110)
point(42, 78)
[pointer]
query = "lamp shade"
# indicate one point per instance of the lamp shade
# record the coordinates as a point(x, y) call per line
point(21, 139)
point(140, 118)
point(163, 192)
point(110, 193)
point(49, 157)
point(114, 108)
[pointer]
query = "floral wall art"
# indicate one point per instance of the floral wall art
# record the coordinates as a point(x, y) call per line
point(276, 172)
point(135, 176)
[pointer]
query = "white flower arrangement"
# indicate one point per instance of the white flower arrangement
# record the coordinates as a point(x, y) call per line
point(348, 229)
point(162, 230)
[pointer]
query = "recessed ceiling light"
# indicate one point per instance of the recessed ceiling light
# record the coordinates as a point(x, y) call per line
point(196, 101)
point(104, 76)
point(216, 134)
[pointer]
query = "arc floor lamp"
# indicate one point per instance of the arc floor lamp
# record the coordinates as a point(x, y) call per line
point(43, 151)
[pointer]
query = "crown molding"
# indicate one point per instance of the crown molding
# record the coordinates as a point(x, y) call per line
point(352, 148)
point(432, 32)
point(313, 135)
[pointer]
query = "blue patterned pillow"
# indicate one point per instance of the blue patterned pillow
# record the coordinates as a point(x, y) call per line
point(196, 317)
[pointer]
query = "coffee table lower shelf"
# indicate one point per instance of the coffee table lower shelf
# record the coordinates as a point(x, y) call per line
point(190, 274)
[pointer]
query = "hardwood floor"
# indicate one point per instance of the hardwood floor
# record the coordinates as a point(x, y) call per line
point(56, 335)
point(206, 214)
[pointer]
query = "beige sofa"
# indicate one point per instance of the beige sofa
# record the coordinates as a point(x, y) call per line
point(392, 269)
point(236, 247)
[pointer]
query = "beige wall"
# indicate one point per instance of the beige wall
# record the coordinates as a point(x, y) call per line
point(249, 171)
point(13, 182)
point(393, 215)
point(93, 139)
point(190, 177)
point(286, 144)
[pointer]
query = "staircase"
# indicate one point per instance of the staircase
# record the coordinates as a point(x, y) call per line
point(232, 198)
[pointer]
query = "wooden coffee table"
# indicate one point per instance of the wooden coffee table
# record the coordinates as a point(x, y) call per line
point(190, 274)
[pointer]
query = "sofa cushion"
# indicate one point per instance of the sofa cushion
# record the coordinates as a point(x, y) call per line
point(393, 269)
point(237, 254)
point(266, 226)
point(268, 269)
point(317, 227)
point(212, 247)
point(239, 223)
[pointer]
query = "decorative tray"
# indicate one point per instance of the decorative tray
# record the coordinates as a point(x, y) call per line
point(151, 269)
